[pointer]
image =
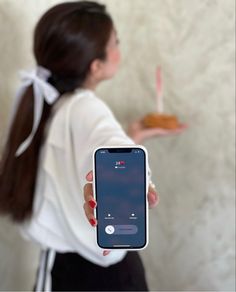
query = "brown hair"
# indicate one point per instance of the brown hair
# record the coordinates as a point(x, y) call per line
point(67, 39)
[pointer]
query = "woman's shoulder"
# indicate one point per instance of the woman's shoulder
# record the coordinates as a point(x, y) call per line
point(60, 117)
point(82, 105)
point(89, 99)
point(81, 101)
point(86, 104)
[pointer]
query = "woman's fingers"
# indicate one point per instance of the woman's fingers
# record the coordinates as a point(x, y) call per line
point(88, 191)
point(88, 195)
point(90, 203)
point(153, 198)
point(89, 214)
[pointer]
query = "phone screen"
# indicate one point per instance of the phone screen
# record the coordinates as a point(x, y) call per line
point(120, 191)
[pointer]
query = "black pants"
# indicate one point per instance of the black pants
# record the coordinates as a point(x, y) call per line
point(72, 272)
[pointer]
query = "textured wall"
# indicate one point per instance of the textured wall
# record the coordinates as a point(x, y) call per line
point(192, 231)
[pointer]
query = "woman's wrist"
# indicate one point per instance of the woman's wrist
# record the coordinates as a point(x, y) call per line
point(134, 136)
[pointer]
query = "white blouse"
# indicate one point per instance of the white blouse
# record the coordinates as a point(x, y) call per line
point(80, 123)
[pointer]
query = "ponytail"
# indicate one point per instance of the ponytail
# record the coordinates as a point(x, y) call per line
point(18, 174)
point(67, 39)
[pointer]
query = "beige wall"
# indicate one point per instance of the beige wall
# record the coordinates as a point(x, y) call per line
point(192, 231)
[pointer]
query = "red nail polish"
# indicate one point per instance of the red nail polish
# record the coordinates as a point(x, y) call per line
point(92, 221)
point(106, 252)
point(92, 204)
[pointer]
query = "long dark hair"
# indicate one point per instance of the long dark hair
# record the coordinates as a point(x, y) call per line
point(67, 39)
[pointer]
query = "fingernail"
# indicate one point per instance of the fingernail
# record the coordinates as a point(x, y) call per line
point(154, 200)
point(154, 197)
point(89, 176)
point(92, 221)
point(92, 204)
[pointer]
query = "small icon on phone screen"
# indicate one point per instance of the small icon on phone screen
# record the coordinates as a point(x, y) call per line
point(109, 229)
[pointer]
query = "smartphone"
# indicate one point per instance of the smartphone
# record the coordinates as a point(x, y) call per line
point(120, 188)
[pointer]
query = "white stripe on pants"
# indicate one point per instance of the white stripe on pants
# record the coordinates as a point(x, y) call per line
point(43, 282)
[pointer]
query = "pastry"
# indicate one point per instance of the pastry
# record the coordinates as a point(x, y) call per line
point(156, 120)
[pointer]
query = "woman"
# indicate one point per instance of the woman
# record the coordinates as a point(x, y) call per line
point(57, 124)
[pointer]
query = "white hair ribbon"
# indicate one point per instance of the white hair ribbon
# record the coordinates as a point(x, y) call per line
point(42, 91)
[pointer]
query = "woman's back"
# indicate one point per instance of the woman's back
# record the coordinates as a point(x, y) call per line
point(78, 125)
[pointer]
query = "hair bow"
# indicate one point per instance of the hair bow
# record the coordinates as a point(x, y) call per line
point(42, 91)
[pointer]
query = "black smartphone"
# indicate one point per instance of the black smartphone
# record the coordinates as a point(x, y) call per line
point(120, 188)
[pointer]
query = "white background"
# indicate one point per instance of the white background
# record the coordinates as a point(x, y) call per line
point(192, 232)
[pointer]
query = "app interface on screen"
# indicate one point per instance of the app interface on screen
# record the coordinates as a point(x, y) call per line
point(121, 198)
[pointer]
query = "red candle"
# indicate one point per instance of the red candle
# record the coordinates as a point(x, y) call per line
point(159, 91)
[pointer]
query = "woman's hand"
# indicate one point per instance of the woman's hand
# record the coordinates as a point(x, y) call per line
point(90, 203)
point(139, 133)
